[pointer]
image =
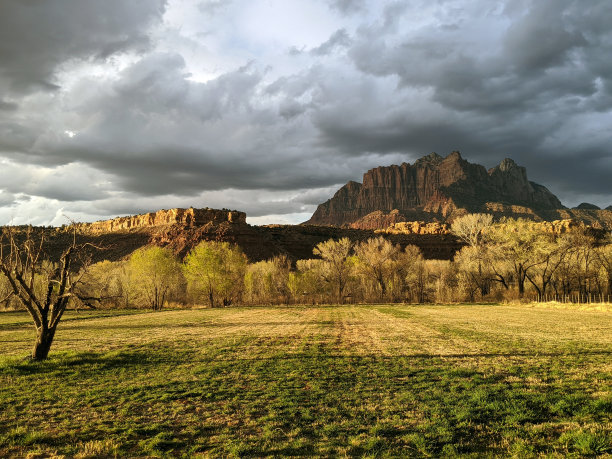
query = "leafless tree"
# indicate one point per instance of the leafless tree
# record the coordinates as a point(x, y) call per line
point(44, 288)
point(470, 228)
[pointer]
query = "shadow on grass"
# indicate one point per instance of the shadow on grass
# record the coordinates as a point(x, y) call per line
point(73, 315)
point(384, 358)
point(91, 361)
point(191, 325)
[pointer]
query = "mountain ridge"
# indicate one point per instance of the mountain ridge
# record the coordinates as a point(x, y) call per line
point(437, 188)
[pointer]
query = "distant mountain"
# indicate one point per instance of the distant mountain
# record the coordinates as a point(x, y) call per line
point(587, 206)
point(439, 189)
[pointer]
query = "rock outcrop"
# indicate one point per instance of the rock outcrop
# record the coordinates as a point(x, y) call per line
point(555, 227)
point(184, 217)
point(435, 189)
point(182, 229)
point(378, 219)
point(417, 228)
point(590, 217)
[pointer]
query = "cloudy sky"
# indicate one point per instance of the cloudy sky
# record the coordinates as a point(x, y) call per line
point(116, 107)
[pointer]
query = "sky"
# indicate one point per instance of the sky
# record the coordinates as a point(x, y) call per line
point(117, 107)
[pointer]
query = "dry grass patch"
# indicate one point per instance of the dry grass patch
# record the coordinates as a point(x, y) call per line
point(302, 381)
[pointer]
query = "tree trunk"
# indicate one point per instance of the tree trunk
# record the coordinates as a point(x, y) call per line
point(520, 279)
point(44, 338)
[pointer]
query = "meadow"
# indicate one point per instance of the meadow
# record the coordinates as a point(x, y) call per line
point(381, 380)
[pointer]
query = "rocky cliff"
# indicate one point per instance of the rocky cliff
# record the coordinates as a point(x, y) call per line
point(434, 189)
point(184, 217)
point(182, 229)
point(553, 227)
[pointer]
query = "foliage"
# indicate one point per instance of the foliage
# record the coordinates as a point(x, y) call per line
point(307, 283)
point(154, 276)
point(215, 272)
point(472, 228)
point(268, 281)
point(108, 281)
point(337, 264)
point(378, 260)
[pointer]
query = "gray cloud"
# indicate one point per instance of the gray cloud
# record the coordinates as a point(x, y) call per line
point(102, 113)
point(340, 39)
point(545, 74)
point(36, 37)
point(347, 6)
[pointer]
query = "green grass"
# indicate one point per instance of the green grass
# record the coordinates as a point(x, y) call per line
point(427, 381)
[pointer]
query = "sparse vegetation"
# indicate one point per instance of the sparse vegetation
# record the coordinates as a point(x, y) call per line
point(431, 381)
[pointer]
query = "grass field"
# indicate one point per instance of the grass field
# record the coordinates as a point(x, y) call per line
point(340, 380)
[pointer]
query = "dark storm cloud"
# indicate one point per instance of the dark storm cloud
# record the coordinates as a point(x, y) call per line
point(159, 133)
point(552, 65)
point(542, 39)
point(7, 106)
point(37, 36)
point(386, 82)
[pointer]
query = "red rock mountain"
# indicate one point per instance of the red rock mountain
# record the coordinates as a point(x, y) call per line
point(435, 189)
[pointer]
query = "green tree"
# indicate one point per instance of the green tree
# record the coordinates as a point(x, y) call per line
point(107, 281)
point(154, 275)
point(215, 270)
point(307, 283)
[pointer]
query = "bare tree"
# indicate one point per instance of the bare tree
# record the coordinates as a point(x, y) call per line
point(604, 261)
point(336, 265)
point(470, 228)
point(378, 259)
point(45, 289)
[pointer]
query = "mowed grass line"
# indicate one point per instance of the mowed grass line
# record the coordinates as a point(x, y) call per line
point(312, 381)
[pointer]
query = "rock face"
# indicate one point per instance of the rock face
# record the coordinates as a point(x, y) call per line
point(182, 229)
point(378, 219)
point(185, 217)
point(435, 188)
point(554, 227)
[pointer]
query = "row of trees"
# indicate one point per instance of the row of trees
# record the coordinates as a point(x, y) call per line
point(515, 258)
point(218, 274)
point(506, 260)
